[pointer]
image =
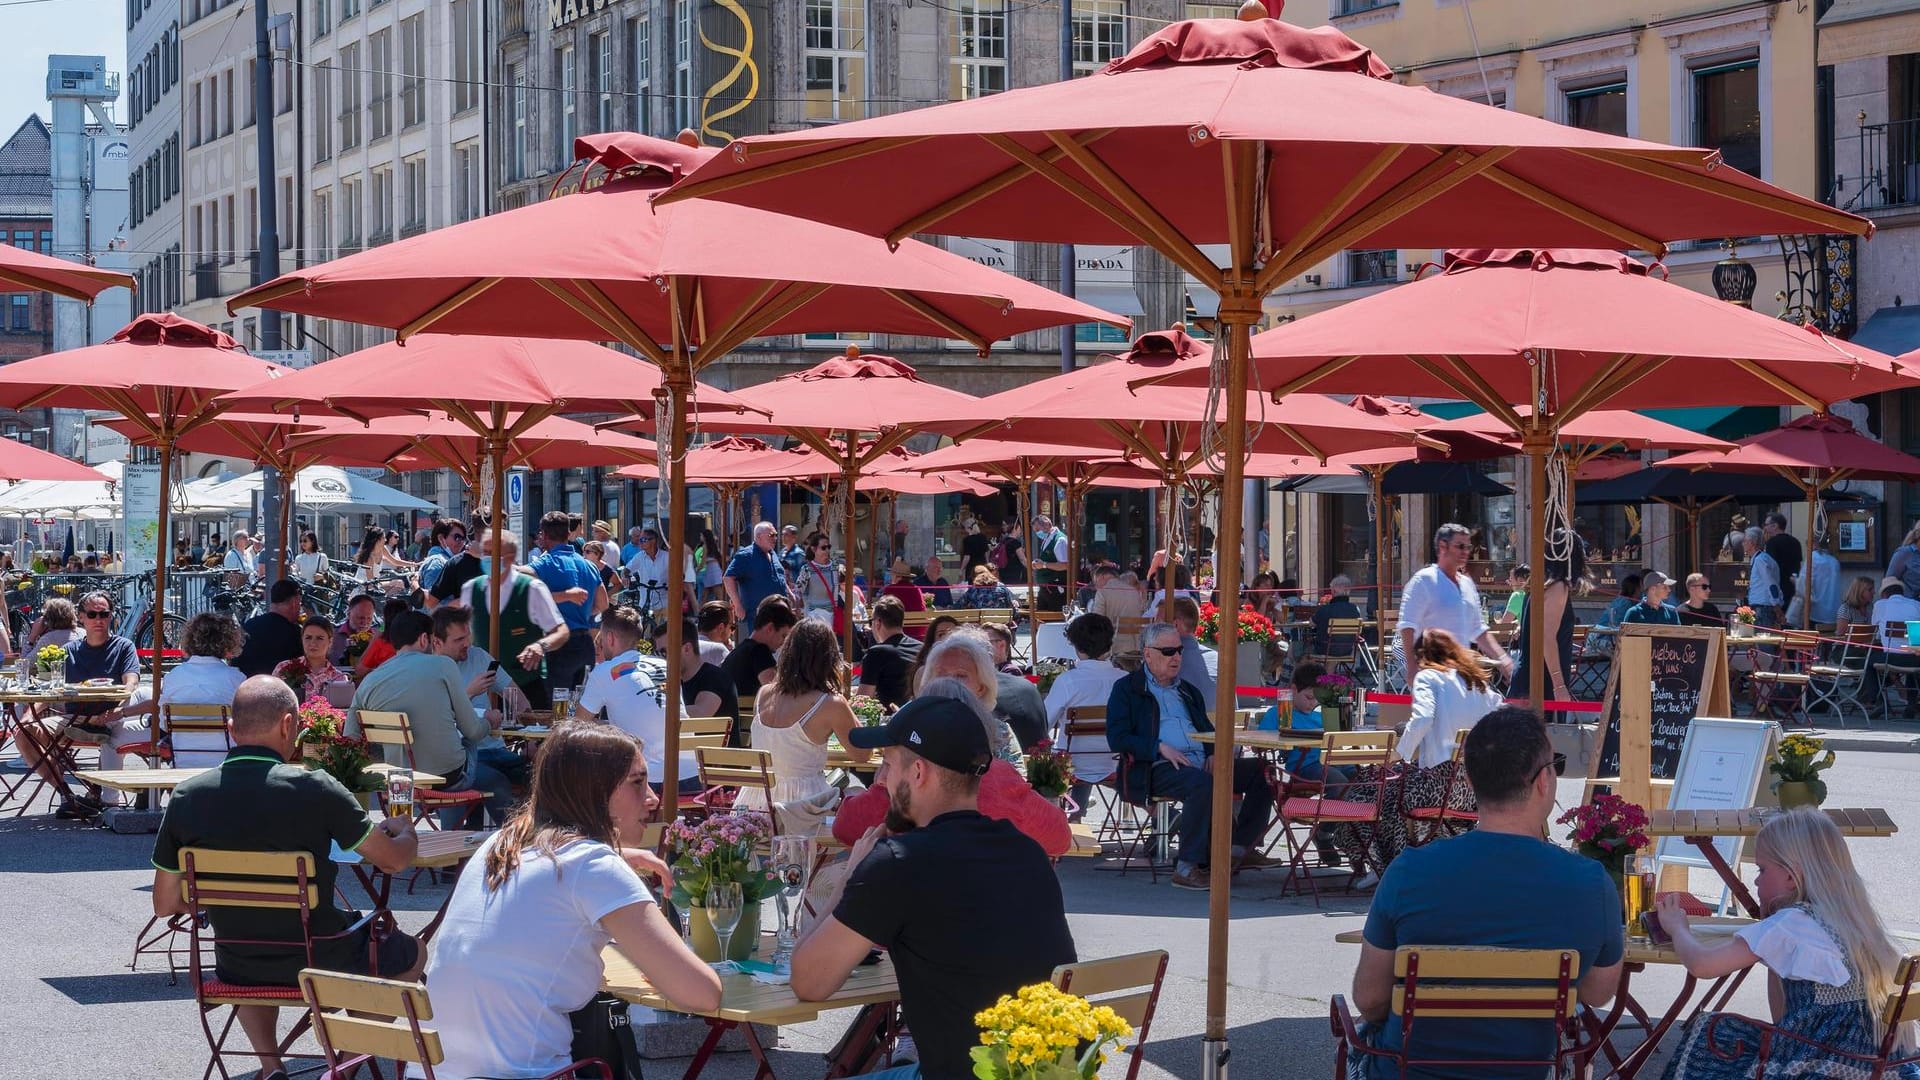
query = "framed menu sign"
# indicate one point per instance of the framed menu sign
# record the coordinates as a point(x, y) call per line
point(1662, 678)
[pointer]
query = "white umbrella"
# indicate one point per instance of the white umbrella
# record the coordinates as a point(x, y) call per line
point(328, 488)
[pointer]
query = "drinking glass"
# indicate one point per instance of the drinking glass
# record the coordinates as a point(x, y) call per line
point(724, 908)
point(792, 868)
point(562, 704)
point(1639, 891)
point(400, 794)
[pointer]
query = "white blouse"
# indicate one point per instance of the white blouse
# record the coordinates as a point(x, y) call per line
point(1443, 704)
point(1794, 945)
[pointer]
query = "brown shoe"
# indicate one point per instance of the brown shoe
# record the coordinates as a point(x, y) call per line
point(1256, 860)
point(1197, 881)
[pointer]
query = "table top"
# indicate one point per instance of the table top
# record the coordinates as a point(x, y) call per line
point(1266, 740)
point(535, 734)
point(13, 694)
point(742, 1000)
point(168, 779)
point(1747, 822)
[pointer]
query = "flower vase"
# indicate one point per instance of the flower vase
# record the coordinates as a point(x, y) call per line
point(1250, 658)
point(1795, 793)
point(706, 943)
point(1336, 717)
point(1740, 629)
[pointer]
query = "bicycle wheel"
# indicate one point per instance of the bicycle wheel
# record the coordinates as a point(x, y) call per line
point(174, 632)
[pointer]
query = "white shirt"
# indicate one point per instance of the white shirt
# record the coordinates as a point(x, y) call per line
point(308, 564)
point(1793, 945)
point(540, 606)
point(714, 652)
point(1893, 609)
point(1763, 581)
point(1436, 600)
point(201, 680)
point(1087, 682)
point(643, 568)
point(1443, 704)
point(510, 963)
point(1826, 586)
point(245, 562)
point(628, 687)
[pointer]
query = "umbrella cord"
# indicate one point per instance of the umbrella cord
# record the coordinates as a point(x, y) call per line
point(663, 422)
point(1560, 536)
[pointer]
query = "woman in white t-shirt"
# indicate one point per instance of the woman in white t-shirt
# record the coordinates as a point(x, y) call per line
point(311, 562)
point(520, 946)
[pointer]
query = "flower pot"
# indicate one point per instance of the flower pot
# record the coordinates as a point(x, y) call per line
point(706, 944)
point(1250, 658)
point(1796, 793)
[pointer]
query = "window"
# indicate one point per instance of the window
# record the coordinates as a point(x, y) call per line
point(282, 88)
point(249, 244)
point(323, 223)
point(246, 93)
point(136, 95)
point(380, 206)
point(683, 64)
point(1212, 11)
point(193, 115)
point(414, 180)
point(466, 54)
point(836, 59)
point(323, 110)
point(284, 217)
point(348, 9)
point(517, 149)
point(173, 166)
point(135, 203)
point(1599, 108)
point(413, 61)
point(380, 93)
point(1373, 267)
point(569, 99)
point(1099, 34)
point(466, 182)
point(350, 215)
point(978, 29)
point(231, 251)
point(1726, 112)
point(603, 81)
point(350, 82)
point(640, 118)
point(1355, 7)
point(226, 104)
point(22, 312)
point(322, 18)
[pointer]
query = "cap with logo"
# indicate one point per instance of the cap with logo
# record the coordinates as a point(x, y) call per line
point(1655, 577)
point(946, 732)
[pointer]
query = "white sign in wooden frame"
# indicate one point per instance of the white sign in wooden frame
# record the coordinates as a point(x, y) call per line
point(1722, 763)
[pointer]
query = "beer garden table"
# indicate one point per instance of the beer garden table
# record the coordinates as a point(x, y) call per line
point(1700, 827)
point(64, 744)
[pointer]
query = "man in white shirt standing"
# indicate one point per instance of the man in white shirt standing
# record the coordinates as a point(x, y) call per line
point(1443, 596)
point(626, 688)
point(647, 571)
point(243, 557)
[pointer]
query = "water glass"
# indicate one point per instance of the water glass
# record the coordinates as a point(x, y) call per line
point(724, 908)
point(793, 869)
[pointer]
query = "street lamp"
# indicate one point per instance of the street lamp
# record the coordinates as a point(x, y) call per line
point(1734, 279)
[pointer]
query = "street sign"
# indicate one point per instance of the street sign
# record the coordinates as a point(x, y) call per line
point(293, 358)
point(516, 502)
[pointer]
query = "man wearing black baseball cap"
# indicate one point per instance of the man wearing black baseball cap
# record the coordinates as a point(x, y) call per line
point(967, 907)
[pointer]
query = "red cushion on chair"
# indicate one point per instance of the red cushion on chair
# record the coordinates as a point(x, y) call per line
point(212, 987)
point(426, 796)
point(146, 749)
point(1329, 810)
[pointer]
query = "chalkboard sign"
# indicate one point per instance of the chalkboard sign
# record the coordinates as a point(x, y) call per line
point(1687, 677)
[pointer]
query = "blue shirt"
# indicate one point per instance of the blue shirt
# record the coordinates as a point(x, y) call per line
point(757, 575)
point(794, 560)
point(1301, 720)
point(1644, 612)
point(1193, 669)
point(432, 566)
point(1501, 890)
point(563, 568)
point(1176, 727)
point(627, 551)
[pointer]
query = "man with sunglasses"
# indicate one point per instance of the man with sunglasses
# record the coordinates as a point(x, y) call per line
point(1500, 884)
point(98, 654)
point(1152, 718)
point(1442, 596)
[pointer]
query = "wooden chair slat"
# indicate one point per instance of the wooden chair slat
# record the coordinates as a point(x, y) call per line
point(390, 1039)
point(1477, 962)
point(364, 993)
point(1114, 973)
point(1475, 1003)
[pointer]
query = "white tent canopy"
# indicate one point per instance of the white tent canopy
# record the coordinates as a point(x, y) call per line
point(93, 500)
point(320, 487)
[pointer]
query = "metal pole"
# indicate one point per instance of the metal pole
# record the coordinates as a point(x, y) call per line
point(1067, 343)
point(161, 560)
point(266, 267)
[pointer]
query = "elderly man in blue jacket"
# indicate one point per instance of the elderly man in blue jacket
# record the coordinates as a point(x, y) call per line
point(1152, 717)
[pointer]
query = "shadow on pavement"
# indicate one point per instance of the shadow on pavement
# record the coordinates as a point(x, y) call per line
point(119, 989)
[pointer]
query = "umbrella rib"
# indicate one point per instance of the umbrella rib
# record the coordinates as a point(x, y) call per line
point(1453, 168)
point(446, 307)
point(754, 323)
point(1629, 236)
point(267, 294)
point(1487, 394)
point(766, 290)
point(35, 282)
point(581, 308)
point(939, 318)
point(1836, 220)
point(1173, 245)
point(630, 331)
point(1782, 385)
point(1295, 434)
point(1132, 440)
point(1623, 372)
point(1361, 180)
point(1180, 249)
point(830, 154)
point(939, 212)
point(1493, 403)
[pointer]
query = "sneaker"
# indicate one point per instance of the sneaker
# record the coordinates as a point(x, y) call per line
point(1195, 879)
point(1366, 881)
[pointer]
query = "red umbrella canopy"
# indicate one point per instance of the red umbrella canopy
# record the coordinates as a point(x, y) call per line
point(438, 441)
point(607, 264)
point(855, 392)
point(161, 371)
point(26, 271)
point(1822, 448)
point(264, 438)
point(1599, 430)
point(735, 459)
point(1610, 330)
point(1349, 159)
point(18, 462)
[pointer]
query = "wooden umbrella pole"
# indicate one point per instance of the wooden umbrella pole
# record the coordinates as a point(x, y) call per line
point(1070, 520)
point(679, 382)
point(497, 525)
point(162, 553)
point(1025, 489)
point(1537, 444)
point(1380, 563)
point(849, 476)
point(284, 517)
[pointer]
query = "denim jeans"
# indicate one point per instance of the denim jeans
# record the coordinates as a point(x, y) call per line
point(904, 1072)
point(1192, 788)
point(486, 779)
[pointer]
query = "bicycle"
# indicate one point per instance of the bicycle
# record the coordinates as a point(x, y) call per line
point(639, 596)
point(173, 627)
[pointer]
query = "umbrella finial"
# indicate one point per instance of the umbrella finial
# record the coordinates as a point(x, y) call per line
point(687, 137)
point(1253, 10)
point(853, 352)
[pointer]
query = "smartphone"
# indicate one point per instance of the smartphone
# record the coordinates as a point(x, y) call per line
point(1655, 932)
point(493, 667)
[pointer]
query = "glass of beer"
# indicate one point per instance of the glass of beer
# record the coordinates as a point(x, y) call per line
point(562, 704)
point(1638, 887)
point(400, 794)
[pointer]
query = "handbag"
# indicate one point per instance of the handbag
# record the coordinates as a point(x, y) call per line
point(603, 1031)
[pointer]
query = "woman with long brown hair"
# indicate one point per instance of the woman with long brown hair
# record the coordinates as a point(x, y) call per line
point(520, 945)
point(792, 720)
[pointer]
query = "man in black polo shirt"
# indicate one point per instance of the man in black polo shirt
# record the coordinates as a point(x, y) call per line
point(255, 801)
point(461, 567)
point(936, 893)
point(750, 664)
point(273, 635)
point(886, 671)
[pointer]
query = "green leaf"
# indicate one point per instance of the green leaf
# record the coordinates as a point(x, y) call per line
point(984, 1066)
point(1818, 787)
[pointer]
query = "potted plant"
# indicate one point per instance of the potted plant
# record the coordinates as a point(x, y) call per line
point(1256, 633)
point(357, 645)
point(721, 848)
point(50, 664)
point(1334, 692)
point(1047, 670)
point(1743, 620)
point(1050, 771)
point(870, 711)
point(1797, 764)
point(1045, 1033)
point(343, 757)
point(1609, 830)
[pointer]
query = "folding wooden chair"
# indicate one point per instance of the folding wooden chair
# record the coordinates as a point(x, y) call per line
point(743, 734)
point(205, 726)
point(1890, 674)
point(1437, 984)
point(1129, 985)
point(1588, 670)
point(1086, 727)
point(726, 771)
point(1348, 750)
point(1785, 685)
point(361, 1020)
point(1342, 654)
point(699, 731)
point(1839, 682)
point(394, 729)
point(277, 880)
point(1151, 825)
point(1427, 823)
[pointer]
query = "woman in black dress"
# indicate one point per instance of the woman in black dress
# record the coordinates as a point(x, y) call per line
point(1566, 577)
point(973, 550)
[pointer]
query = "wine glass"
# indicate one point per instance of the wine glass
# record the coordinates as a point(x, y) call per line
point(724, 907)
point(792, 867)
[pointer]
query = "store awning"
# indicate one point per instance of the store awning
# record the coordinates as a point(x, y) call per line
point(1892, 330)
point(1202, 302)
point(1119, 299)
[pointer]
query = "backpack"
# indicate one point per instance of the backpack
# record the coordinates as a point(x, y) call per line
point(997, 554)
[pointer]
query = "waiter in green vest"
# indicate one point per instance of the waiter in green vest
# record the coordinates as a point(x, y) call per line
point(530, 622)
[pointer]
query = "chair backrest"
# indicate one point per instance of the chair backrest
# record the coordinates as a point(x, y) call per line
point(1342, 636)
point(199, 719)
point(248, 879)
point(1903, 1005)
point(1129, 985)
point(1351, 749)
point(921, 619)
point(356, 1016)
point(386, 729)
point(730, 767)
point(1484, 984)
point(699, 731)
point(1896, 628)
point(1086, 722)
point(1805, 642)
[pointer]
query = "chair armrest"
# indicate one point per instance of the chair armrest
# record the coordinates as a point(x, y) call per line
point(573, 1070)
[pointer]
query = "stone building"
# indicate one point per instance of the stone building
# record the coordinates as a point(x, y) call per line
point(26, 221)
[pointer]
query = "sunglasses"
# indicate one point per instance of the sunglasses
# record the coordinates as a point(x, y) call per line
point(1558, 765)
point(96, 613)
point(1166, 650)
point(462, 537)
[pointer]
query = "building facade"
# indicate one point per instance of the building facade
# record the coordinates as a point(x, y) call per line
point(26, 221)
point(155, 210)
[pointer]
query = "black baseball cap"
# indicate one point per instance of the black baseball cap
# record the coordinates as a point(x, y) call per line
point(944, 731)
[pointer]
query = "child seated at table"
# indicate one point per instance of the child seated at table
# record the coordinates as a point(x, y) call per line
point(1830, 963)
point(1305, 765)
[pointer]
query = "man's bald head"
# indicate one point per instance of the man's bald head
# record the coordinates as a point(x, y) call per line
point(259, 705)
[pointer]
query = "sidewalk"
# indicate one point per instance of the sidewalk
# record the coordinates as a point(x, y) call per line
point(1884, 737)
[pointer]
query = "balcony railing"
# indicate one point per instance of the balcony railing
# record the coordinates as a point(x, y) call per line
point(206, 280)
point(1373, 267)
point(1889, 165)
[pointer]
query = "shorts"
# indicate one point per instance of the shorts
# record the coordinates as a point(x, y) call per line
point(397, 953)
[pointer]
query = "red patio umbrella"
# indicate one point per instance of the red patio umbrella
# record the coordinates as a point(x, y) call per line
point(681, 286)
point(19, 462)
point(1813, 452)
point(162, 373)
point(438, 441)
point(26, 271)
point(1286, 145)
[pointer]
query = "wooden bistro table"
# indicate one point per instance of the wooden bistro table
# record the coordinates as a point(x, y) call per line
point(1700, 827)
point(65, 745)
point(162, 780)
point(745, 1002)
point(440, 849)
point(1269, 741)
